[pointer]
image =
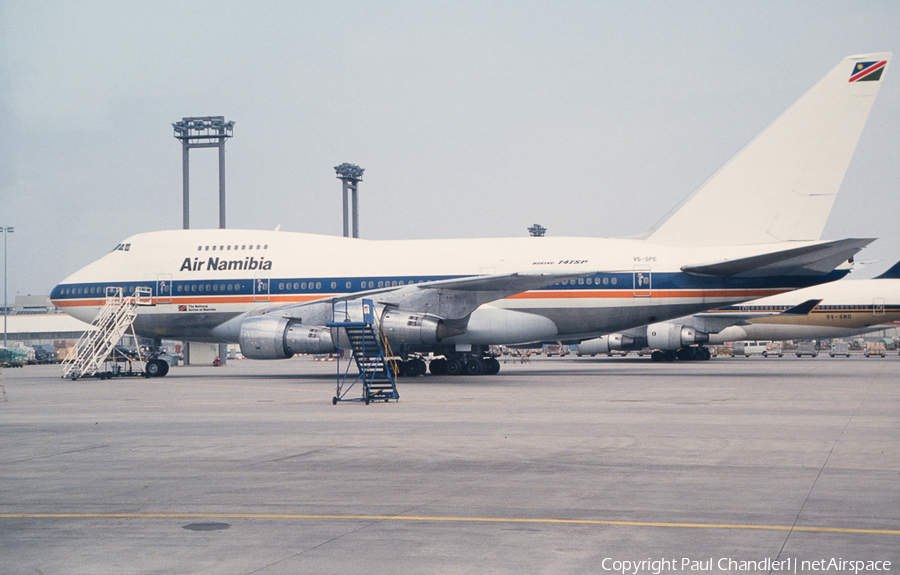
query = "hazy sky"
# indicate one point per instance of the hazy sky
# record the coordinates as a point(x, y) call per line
point(472, 119)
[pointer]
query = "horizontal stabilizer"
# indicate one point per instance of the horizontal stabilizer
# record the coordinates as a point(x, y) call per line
point(816, 259)
point(891, 274)
point(802, 309)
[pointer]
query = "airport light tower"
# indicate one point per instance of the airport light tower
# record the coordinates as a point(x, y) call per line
point(537, 231)
point(205, 132)
point(5, 230)
point(351, 175)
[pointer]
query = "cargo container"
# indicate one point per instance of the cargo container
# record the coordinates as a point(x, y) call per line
point(807, 348)
point(840, 348)
point(875, 348)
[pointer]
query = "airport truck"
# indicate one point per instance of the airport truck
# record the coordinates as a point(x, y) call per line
point(774, 348)
point(807, 348)
point(839, 348)
point(874, 348)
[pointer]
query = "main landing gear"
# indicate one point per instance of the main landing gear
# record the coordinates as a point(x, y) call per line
point(450, 365)
point(692, 353)
point(156, 368)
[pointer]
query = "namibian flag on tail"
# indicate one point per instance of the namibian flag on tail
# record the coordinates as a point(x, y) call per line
point(867, 71)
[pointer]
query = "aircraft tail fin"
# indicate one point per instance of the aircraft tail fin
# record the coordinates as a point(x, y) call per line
point(892, 274)
point(782, 185)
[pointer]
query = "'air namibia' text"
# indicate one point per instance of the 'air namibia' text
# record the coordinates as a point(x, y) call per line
point(221, 264)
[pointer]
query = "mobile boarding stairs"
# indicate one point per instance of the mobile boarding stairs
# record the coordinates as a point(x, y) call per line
point(377, 375)
point(95, 347)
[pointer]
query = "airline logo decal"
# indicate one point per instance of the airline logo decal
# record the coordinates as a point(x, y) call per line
point(222, 264)
point(867, 71)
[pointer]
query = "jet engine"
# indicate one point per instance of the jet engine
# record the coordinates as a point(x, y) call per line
point(605, 343)
point(672, 336)
point(272, 337)
point(406, 328)
point(411, 328)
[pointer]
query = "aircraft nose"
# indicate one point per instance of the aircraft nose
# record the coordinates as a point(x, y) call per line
point(55, 294)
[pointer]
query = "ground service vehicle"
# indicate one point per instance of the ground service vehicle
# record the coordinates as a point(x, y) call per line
point(807, 348)
point(875, 348)
point(840, 348)
point(774, 348)
point(748, 348)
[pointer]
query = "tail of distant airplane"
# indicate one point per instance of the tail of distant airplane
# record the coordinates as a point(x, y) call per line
point(892, 274)
point(782, 185)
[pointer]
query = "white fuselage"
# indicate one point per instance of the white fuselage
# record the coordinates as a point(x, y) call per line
point(848, 307)
point(203, 278)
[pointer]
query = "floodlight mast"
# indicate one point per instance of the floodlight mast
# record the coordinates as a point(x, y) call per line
point(6, 231)
point(537, 231)
point(203, 132)
point(351, 175)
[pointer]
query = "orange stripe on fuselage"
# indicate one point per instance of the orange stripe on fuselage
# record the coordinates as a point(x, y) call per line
point(754, 294)
point(529, 295)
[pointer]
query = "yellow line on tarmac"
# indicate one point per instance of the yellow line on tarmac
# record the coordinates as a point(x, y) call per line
point(440, 519)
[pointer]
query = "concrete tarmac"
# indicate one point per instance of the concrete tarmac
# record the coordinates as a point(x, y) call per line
point(571, 465)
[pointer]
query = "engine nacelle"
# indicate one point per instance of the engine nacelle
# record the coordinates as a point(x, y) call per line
point(411, 328)
point(272, 337)
point(673, 336)
point(605, 343)
point(402, 328)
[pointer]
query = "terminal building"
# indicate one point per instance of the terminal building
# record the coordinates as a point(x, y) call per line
point(34, 320)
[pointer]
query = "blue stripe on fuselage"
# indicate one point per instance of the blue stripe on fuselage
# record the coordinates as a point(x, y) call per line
point(344, 285)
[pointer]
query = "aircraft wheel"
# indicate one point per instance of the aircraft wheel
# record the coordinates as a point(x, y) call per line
point(438, 366)
point(334, 400)
point(414, 368)
point(657, 356)
point(669, 355)
point(156, 368)
point(685, 354)
point(454, 366)
point(705, 354)
point(474, 366)
point(491, 366)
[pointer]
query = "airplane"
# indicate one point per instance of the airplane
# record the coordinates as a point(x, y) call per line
point(274, 292)
point(832, 310)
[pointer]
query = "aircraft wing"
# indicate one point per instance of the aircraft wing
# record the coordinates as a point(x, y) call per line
point(816, 259)
point(451, 299)
point(804, 308)
point(743, 316)
point(457, 298)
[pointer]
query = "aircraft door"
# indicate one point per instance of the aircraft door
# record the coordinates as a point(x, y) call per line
point(164, 288)
point(878, 307)
point(261, 286)
point(643, 281)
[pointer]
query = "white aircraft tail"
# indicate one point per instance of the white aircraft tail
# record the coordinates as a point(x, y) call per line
point(782, 185)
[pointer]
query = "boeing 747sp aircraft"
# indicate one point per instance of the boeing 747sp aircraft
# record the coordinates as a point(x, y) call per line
point(274, 292)
point(836, 309)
